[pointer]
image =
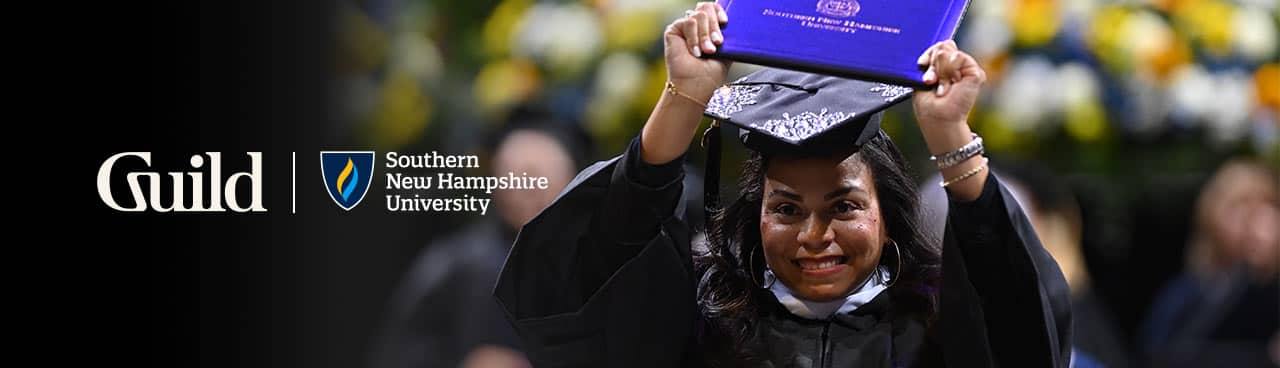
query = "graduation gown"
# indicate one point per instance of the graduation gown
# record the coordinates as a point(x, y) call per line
point(603, 277)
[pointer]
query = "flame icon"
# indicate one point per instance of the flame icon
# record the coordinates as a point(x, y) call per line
point(350, 171)
point(346, 176)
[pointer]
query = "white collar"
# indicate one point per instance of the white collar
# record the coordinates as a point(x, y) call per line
point(870, 288)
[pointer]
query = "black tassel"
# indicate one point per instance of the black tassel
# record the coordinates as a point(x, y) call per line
point(711, 182)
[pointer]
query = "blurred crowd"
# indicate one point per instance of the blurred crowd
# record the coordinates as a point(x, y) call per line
point(1143, 137)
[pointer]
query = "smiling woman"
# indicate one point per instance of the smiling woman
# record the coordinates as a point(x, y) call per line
point(818, 262)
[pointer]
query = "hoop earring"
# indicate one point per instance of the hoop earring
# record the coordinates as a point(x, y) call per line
point(751, 271)
point(898, 270)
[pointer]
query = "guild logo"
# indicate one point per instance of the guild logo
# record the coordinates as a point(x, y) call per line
point(347, 175)
point(839, 8)
point(218, 190)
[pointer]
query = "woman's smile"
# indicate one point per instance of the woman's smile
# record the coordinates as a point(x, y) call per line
point(821, 267)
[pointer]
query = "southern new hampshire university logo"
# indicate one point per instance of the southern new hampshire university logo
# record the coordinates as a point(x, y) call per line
point(839, 8)
point(347, 175)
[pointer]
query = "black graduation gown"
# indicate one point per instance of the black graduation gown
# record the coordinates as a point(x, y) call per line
point(603, 277)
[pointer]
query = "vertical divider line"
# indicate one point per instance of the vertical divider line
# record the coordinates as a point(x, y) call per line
point(293, 183)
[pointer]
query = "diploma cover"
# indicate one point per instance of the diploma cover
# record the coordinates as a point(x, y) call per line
point(873, 40)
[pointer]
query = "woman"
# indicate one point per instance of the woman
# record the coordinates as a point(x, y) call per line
point(819, 262)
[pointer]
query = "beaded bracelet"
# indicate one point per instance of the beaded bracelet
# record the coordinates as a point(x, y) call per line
point(949, 159)
point(966, 175)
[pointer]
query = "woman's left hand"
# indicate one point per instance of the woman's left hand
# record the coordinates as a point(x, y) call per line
point(943, 113)
point(959, 79)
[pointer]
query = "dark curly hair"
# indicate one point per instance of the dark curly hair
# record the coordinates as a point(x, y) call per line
point(727, 291)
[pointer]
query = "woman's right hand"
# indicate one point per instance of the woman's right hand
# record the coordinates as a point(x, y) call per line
point(675, 118)
point(686, 40)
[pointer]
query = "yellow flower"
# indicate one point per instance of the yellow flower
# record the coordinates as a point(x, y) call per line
point(1086, 122)
point(633, 30)
point(1208, 22)
point(501, 24)
point(1130, 40)
point(1106, 40)
point(1034, 22)
point(504, 83)
point(401, 114)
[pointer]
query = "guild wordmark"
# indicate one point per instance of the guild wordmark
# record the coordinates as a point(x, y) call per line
point(218, 189)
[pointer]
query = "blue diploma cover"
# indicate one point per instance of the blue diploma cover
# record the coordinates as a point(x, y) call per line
point(873, 40)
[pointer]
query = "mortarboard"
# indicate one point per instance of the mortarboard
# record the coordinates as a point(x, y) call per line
point(780, 111)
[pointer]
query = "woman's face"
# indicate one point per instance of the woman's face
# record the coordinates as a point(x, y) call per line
point(820, 225)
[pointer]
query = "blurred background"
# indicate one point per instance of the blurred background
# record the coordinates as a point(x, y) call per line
point(1145, 136)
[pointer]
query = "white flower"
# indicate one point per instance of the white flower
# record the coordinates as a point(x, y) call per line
point(1078, 9)
point(565, 37)
point(417, 55)
point(1023, 96)
point(1191, 93)
point(1255, 33)
point(618, 77)
point(1077, 85)
point(1232, 101)
point(1268, 5)
point(986, 39)
point(1148, 35)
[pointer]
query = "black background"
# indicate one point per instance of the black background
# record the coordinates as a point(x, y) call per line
point(216, 289)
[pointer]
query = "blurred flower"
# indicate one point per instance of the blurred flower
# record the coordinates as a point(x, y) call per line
point(1078, 93)
point(618, 78)
point(501, 25)
point(415, 54)
point(985, 39)
point(1267, 5)
point(1079, 9)
point(1153, 44)
point(996, 134)
point(631, 30)
point(1023, 96)
point(985, 11)
point(1266, 84)
point(1232, 103)
point(1207, 22)
point(635, 24)
point(401, 114)
point(1136, 40)
point(1191, 95)
point(1255, 33)
point(564, 38)
point(1106, 39)
point(1223, 102)
point(504, 83)
point(1034, 22)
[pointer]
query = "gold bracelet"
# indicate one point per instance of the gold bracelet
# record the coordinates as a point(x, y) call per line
point(966, 175)
point(671, 88)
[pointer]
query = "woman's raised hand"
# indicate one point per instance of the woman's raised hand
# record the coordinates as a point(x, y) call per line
point(943, 113)
point(686, 40)
point(959, 79)
point(692, 80)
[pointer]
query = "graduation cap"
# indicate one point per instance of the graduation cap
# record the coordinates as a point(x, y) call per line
point(780, 111)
